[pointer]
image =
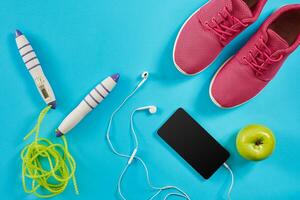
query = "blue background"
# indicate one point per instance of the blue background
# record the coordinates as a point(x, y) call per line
point(81, 42)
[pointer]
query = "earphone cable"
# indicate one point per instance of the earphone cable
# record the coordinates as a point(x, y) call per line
point(232, 179)
point(110, 123)
point(160, 189)
point(133, 156)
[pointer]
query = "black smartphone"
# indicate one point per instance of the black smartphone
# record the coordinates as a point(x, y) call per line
point(193, 143)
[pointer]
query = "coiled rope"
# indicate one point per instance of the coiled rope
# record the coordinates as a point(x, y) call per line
point(47, 167)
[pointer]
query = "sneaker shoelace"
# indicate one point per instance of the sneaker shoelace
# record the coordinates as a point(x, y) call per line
point(226, 28)
point(260, 57)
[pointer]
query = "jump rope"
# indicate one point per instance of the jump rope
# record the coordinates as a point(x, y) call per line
point(47, 167)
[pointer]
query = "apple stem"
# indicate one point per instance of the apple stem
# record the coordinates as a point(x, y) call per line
point(259, 142)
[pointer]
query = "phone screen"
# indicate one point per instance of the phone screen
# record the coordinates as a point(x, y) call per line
point(193, 143)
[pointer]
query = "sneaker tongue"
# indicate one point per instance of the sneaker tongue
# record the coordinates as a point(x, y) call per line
point(241, 10)
point(275, 41)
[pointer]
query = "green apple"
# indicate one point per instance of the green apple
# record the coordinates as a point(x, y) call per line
point(255, 142)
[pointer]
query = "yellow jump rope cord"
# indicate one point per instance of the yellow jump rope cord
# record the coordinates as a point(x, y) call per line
point(47, 166)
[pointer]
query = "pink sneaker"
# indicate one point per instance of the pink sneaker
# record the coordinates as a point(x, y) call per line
point(252, 68)
point(210, 29)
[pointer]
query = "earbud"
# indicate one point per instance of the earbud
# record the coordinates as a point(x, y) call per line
point(152, 109)
point(144, 76)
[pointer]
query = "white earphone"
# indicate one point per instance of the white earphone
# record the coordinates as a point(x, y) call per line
point(152, 109)
point(144, 76)
point(133, 156)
